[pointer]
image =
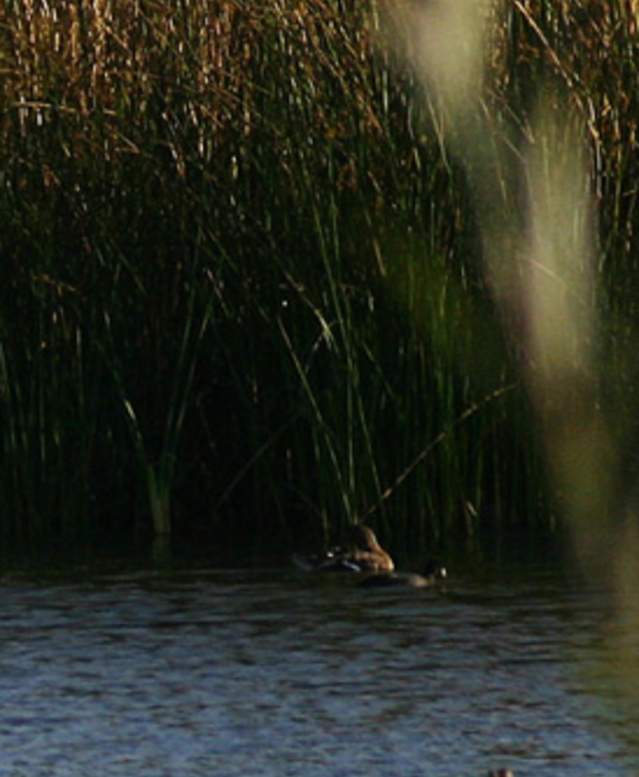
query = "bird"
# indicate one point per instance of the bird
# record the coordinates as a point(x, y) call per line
point(433, 573)
point(361, 553)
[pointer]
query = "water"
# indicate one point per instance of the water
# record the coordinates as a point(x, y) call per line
point(267, 672)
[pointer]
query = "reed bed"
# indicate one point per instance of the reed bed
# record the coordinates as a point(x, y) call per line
point(241, 291)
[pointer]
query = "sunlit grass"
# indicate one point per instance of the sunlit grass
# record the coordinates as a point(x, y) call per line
point(243, 286)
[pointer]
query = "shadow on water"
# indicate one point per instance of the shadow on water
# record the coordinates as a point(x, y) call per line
point(194, 670)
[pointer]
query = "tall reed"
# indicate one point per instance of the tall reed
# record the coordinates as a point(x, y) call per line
point(241, 270)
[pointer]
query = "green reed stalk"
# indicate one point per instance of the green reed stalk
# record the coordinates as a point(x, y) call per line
point(157, 461)
point(269, 311)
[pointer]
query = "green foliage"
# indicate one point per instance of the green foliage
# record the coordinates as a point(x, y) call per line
point(239, 282)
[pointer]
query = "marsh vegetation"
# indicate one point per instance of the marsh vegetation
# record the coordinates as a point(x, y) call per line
point(243, 287)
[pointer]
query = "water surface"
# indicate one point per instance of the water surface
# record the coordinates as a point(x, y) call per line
point(270, 672)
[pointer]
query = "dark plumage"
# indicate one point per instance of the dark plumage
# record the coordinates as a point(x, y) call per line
point(433, 573)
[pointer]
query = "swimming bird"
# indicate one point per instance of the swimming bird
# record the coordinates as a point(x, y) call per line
point(433, 573)
point(362, 553)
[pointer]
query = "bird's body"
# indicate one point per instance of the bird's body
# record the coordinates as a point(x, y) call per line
point(361, 553)
point(433, 573)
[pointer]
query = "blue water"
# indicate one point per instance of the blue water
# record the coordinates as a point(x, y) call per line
point(269, 672)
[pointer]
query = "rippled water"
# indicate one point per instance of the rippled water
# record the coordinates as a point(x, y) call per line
point(251, 672)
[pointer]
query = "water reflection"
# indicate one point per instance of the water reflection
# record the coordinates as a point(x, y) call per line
point(270, 672)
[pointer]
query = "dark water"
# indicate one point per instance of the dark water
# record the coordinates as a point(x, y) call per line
point(273, 673)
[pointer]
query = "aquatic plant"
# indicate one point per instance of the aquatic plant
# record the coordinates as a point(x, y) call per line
point(242, 274)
